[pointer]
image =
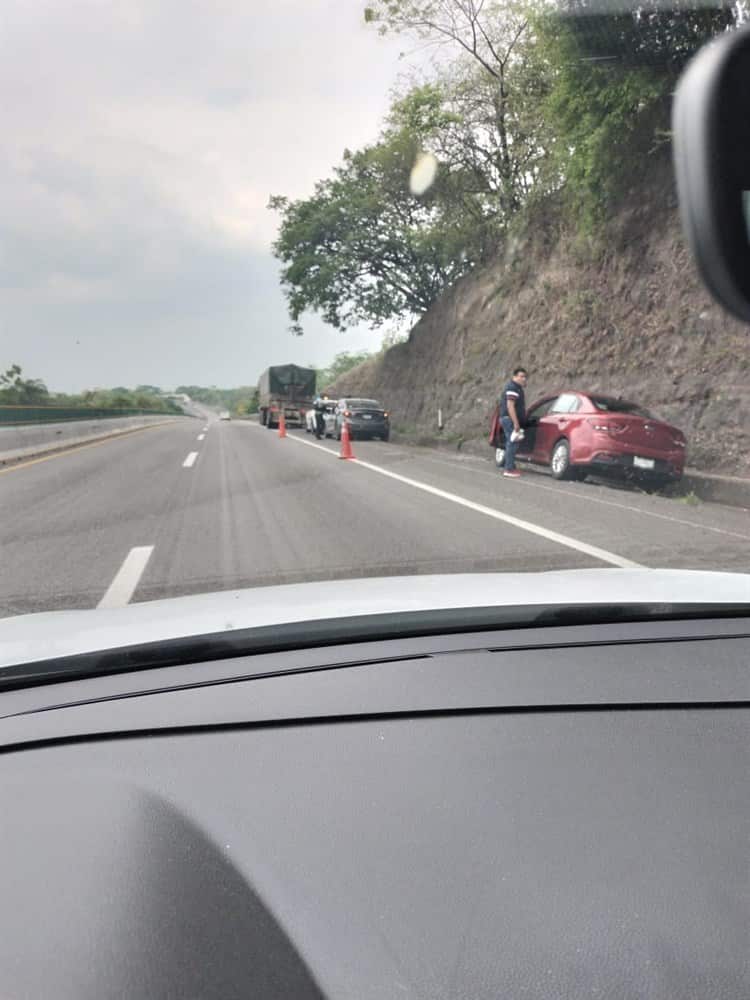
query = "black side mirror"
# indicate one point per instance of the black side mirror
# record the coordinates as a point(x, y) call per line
point(711, 128)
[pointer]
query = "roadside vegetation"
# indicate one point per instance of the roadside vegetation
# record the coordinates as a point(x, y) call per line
point(243, 400)
point(240, 401)
point(340, 365)
point(525, 111)
point(17, 390)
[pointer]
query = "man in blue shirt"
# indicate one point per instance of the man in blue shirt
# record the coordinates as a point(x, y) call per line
point(513, 417)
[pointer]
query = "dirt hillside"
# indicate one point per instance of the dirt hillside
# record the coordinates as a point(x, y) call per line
point(628, 316)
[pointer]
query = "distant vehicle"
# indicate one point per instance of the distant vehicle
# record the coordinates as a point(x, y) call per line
point(328, 415)
point(286, 388)
point(225, 415)
point(364, 417)
point(578, 433)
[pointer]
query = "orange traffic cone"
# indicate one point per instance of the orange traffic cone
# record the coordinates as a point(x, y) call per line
point(346, 442)
point(282, 425)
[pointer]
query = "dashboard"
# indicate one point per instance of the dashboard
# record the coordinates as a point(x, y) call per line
point(534, 812)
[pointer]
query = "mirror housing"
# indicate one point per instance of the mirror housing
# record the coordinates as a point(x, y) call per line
point(711, 135)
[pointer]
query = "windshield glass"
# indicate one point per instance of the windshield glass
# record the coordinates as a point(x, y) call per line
point(606, 405)
point(438, 211)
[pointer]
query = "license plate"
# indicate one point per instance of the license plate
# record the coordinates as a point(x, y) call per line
point(367, 416)
point(643, 463)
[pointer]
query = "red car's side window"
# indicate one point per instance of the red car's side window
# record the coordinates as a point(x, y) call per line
point(540, 410)
point(567, 403)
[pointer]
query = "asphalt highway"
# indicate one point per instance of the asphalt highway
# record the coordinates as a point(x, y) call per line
point(202, 505)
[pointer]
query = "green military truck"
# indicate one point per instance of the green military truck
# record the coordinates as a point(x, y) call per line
point(286, 388)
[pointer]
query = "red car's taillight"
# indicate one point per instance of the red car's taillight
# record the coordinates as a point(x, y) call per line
point(606, 426)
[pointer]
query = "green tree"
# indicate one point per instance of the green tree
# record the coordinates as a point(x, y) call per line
point(15, 389)
point(611, 80)
point(487, 43)
point(489, 184)
point(247, 404)
point(118, 398)
point(240, 400)
point(342, 363)
point(556, 96)
point(662, 36)
point(363, 248)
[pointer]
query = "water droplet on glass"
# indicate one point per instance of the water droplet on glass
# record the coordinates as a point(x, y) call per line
point(423, 173)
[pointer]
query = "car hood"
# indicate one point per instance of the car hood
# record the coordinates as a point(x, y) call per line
point(30, 638)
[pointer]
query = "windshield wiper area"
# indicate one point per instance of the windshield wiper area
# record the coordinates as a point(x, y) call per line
point(352, 630)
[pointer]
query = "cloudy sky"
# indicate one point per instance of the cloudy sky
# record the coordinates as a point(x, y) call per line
point(139, 143)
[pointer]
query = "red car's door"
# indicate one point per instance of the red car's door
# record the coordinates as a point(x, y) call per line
point(558, 422)
point(534, 425)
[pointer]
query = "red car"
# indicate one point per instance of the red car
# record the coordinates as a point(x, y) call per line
point(576, 433)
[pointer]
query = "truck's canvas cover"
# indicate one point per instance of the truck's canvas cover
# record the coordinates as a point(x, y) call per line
point(290, 381)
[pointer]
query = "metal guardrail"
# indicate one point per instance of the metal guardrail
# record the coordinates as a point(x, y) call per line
point(55, 414)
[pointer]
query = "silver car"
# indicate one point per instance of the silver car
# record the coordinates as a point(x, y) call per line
point(329, 411)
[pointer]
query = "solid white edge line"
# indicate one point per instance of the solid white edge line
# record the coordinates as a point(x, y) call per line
point(127, 577)
point(586, 498)
point(201, 437)
point(190, 460)
point(535, 529)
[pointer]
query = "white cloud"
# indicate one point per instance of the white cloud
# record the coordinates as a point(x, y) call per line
point(139, 143)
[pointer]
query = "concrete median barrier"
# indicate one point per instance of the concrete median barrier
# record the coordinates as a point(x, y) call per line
point(29, 440)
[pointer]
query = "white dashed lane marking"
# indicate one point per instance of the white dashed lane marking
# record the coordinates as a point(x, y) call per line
point(126, 580)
